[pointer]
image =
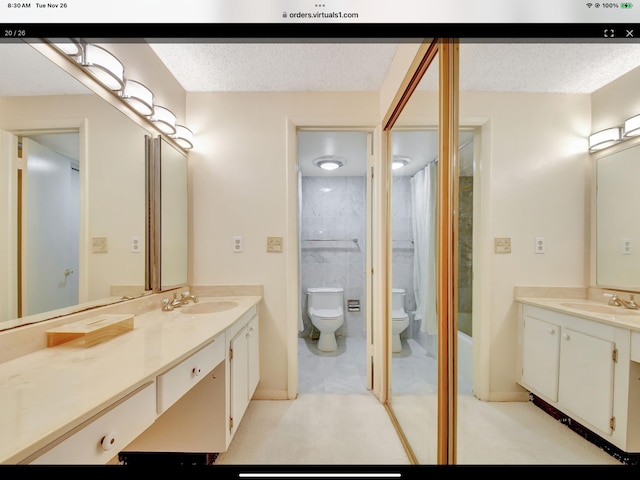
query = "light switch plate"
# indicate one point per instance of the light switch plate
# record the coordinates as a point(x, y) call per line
point(502, 245)
point(274, 244)
point(99, 244)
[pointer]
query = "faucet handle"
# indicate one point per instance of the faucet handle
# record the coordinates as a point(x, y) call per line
point(167, 306)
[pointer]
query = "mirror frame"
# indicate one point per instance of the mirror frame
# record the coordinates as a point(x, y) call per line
point(447, 50)
point(157, 213)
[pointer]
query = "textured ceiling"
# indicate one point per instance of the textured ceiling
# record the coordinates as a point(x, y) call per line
point(271, 67)
point(524, 67)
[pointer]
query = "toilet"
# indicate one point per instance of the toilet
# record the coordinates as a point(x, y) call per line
point(324, 305)
point(399, 318)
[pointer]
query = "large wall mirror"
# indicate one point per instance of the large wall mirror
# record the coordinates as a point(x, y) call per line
point(617, 228)
point(73, 206)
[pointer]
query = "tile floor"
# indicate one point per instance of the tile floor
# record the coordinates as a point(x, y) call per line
point(336, 421)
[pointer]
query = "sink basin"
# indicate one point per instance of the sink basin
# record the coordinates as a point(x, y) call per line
point(606, 309)
point(209, 307)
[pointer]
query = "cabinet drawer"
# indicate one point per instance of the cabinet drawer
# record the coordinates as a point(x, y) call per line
point(106, 434)
point(180, 379)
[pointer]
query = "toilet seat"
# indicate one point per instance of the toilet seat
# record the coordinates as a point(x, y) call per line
point(325, 312)
point(399, 315)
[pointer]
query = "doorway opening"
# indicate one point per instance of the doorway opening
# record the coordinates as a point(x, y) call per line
point(333, 322)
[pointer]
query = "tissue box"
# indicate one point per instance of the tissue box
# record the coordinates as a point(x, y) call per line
point(93, 330)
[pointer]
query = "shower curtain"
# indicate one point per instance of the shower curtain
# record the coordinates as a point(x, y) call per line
point(424, 197)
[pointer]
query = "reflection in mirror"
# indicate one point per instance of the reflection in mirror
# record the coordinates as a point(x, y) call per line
point(173, 216)
point(48, 260)
point(414, 363)
point(617, 228)
point(103, 202)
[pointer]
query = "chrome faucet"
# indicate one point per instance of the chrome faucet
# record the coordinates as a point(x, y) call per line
point(185, 297)
point(618, 302)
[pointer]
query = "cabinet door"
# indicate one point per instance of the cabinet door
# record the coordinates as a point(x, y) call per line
point(541, 357)
point(586, 377)
point(238, 368)
point(254, 355)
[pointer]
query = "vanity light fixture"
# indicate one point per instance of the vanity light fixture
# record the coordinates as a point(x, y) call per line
point(164, 119)
point(183, 137)
point(68, 46)
point(399, 161)
point(632, 126)
point(138, 96)
point(103, 65)
point(604, 138)
point(329, 162)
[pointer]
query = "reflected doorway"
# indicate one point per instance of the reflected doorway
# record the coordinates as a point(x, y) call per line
point(48, 222)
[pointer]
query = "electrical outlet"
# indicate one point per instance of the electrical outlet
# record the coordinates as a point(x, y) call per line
point(237, 245)
point(136, 245)
point(540, 245)
point(274, 244)
point(99, 244)
point(626, 246)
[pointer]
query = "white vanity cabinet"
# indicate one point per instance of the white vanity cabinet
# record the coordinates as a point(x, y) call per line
point(583, 368)
point(202, 417)
point(99, 440)
point(244, 368)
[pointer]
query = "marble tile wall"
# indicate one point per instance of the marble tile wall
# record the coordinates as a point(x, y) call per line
point(333, 210)
point(333, 214)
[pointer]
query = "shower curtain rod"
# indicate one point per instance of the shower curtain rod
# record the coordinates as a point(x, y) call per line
point(459, 148)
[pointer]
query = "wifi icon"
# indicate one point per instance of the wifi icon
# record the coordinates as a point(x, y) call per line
point(589, 5)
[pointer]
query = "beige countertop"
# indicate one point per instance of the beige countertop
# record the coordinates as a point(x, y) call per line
point(45, 394)
point(589, 309)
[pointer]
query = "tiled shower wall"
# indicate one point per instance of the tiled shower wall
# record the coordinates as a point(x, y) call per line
point(333, 211)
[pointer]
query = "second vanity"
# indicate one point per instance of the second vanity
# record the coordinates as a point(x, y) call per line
point(582, 357)
point(180, 381)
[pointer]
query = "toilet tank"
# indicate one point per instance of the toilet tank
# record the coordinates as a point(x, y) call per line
point(397, 299)
point(322, 298)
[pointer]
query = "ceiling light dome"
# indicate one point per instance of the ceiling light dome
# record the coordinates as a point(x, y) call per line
point(329, 162)
point(398, 161)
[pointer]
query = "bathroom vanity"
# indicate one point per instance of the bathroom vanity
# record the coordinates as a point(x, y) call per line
point(582, 357)
point(178, 382)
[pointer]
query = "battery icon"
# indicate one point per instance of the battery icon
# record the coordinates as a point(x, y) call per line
point(626, 5)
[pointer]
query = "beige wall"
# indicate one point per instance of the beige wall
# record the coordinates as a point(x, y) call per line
point(534, 180)
point(240, 173)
